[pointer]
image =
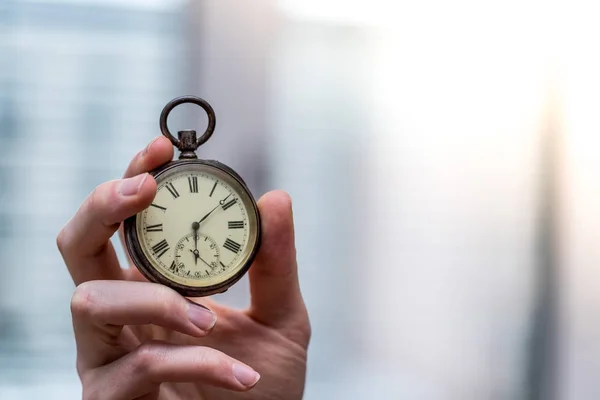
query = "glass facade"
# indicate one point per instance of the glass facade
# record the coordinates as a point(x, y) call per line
point(81, 88)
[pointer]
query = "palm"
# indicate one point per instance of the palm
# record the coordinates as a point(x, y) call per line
point(280, 360)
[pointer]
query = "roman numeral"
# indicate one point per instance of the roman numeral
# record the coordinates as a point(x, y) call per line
point(232, 246)
point(154, 228)
point(160, 248)
point(213, 190)
point(159, 207)
point(227, 205)
point(172, 189)
point(236, 224)
point(193, 182)
point(173, 266)
point(223, 265)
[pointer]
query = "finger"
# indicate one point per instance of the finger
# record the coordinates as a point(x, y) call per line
point(84, 241)
point(274, 284)
point(158, 152)
point(143, 370)
point(101, 308)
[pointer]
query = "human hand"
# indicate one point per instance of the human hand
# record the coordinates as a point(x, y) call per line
point(141, 340)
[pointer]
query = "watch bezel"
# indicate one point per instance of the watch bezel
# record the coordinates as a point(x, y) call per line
point(149, 271)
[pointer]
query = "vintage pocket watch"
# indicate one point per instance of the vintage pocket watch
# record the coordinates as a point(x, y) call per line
point(202, 230)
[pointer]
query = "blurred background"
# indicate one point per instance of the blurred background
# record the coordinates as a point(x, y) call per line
point(443, 158)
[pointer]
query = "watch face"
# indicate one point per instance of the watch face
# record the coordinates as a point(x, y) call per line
point(202, 228)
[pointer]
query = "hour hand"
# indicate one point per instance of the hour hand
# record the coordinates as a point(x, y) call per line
point(196, 256)
point(195, 226)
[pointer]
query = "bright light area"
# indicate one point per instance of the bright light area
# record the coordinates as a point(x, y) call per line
point(337, 11)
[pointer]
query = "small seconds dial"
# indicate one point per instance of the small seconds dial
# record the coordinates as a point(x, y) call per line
point(198, 230)
point(196, 255)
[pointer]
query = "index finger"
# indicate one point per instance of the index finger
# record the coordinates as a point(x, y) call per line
point(158, 152)
point(84, 242)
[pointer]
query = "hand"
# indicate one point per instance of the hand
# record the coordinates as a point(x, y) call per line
point(140, 340)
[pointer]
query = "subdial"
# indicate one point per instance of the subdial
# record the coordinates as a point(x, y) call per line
point(196, 257)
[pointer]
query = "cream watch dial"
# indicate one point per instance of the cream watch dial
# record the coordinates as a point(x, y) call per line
point(200, 229)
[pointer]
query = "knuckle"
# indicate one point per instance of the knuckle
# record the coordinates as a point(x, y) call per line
point(205, 357)
point(102, 203)
point(82, 301)
point(214, 359)
point(104, 196)
point(146, 357)
point(168, 300)
point(62, 241)
point(97, 199)
point(306, 333)
point(306, 330)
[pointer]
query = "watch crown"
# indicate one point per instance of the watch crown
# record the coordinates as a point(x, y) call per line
point(187, 143)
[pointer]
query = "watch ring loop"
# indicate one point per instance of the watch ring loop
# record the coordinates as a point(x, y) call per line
point(182, 100)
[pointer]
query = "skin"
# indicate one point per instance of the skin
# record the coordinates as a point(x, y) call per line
point(140, 340)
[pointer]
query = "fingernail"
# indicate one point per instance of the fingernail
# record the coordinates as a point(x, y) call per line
point(245, 375)
point(131, 186)
point(202, 317)
point(147, 148)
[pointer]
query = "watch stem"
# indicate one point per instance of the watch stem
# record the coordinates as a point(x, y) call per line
point(187, 143)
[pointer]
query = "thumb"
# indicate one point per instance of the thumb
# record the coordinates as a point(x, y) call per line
point(274, 286)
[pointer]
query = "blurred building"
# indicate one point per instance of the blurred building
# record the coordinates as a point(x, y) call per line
point(81, 89)
point(230, 55)
point(290, 102)
point(408, 139)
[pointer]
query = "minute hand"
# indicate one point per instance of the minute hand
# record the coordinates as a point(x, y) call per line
point(211, 211)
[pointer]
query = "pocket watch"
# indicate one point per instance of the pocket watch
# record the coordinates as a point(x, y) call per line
point(202, 231)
